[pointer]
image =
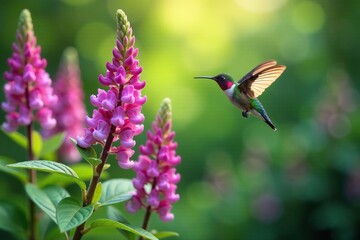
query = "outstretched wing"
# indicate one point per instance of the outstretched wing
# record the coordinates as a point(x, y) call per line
point(261, 77)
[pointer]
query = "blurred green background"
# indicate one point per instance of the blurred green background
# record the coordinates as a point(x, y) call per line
point(240, 180)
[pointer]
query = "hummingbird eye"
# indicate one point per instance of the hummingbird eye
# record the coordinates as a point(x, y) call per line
point(221, 77)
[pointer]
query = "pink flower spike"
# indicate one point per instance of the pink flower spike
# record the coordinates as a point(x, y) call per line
point(112, 104)
point(154, 166)
point(70, 111)
point(28, 92)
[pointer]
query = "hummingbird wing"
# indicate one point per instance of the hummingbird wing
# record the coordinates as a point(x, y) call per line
point(261, 77)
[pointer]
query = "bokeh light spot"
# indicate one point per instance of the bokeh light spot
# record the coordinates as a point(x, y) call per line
point(308, 17)
point(295, 48)
point(104, 53)
point(90, 37)
point(202, 195)
point(261, 6)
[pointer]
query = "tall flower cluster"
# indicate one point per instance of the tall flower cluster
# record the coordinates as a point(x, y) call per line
point(70, 111)
point(156, 176)
point(118, 112)
point(28, 92)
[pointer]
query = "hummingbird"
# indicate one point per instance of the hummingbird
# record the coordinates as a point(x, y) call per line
point(243, 93)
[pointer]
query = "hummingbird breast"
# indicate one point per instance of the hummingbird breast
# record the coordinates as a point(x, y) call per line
point(238, 98)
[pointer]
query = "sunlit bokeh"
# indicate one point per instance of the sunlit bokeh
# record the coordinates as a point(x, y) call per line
point(240, 179)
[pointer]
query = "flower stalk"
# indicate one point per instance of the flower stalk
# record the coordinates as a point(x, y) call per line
point(156, 167)
point(118, 116)
point(28, 94)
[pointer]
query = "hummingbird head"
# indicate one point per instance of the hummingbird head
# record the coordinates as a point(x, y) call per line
point(224, 81)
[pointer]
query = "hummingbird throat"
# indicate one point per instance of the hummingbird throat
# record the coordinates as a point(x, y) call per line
point(225, 85)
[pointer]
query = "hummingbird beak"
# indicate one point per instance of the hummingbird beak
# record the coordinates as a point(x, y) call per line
point(204, 77)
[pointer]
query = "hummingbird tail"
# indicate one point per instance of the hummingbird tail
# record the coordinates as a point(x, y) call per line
point(260, 112)
point(270, 124)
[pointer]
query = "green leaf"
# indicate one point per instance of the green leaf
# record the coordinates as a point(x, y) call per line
point(111, 223)
point(56, 194)
point(83, 170)
point(114, 214)
point(51, 167)
point(70, 214)
point(115, 191)
point(97, 193)
point(22, 141)
point(12, 219)
point(86, 153)
point(18, 173)
point(17, 138)
point(93, 161)
point(37, 143)
point(161, 235)
point(52, 144)
point(106, 166)
point(46, 199)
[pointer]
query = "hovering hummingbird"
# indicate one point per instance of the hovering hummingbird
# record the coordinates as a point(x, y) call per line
point(243, 94)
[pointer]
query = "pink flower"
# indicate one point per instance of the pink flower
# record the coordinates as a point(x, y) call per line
point(29, 96)
point(156, 167)
point(118, 112)
point(70, 111)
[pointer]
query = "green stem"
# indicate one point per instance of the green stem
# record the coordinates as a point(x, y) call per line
point(95, 179)
point(97, 173)
point(146, 220)
point(148, 208)
point(32, 172)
